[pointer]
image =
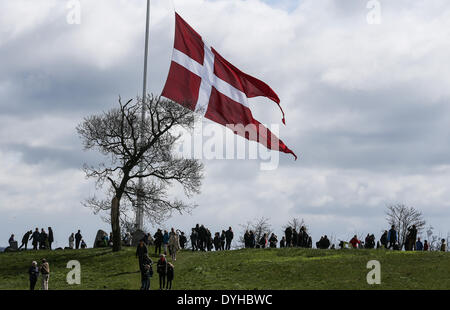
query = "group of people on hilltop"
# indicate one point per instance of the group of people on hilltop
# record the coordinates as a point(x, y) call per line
point(42, 240)
point(39, 239)
point(294, 238)
point(202, 240)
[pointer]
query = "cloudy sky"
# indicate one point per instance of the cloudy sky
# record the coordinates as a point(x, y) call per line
point(366, 108)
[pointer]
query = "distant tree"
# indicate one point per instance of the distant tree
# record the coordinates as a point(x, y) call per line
point(403, 217)
point(135, 150)
point(259, 226)
point(296, 224)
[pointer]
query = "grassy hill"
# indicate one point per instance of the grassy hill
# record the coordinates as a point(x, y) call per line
point(240, 269)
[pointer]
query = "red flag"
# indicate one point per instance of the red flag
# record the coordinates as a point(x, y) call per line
point(203, 81)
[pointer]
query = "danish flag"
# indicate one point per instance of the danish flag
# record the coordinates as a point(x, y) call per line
point(203, 81)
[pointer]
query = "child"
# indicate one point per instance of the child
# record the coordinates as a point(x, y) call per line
point(147, 273)
point(170, 274)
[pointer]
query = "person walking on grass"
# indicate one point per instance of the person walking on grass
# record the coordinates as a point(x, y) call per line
point(146, 272)
point(174, 244)
point(158, 241)
point(36, 235)
point(229, 235)
point(34, 274)
point(25, 239)
point(161, 268)
point(45, 274)
point(170, 275)
point(165, 241)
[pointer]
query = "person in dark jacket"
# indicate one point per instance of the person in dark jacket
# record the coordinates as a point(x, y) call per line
point(34, 274)
point(141, 253)
point(392, 237)
point(412, 236)
point(229, 235)
point(222, 240)
point(25, 239)
point(419, 245)
point(158, 241)
point(50, 238)
point(43, 240)
point(216, 241)
point(194, 239)
point(283, 242)
point(384, 239)
point(170, 275)
point(288, 235)
point(425, 246)
point(183, 240)
point(252, 240)
point(78, 238)
point(273, 241)
point(36, 235)
point(161, 268)
point(146, 272)
point(294, 238)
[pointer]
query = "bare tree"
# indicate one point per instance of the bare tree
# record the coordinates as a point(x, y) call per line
point(259, 227)
point(403, 217)
point(296, 223)
point(127, 144)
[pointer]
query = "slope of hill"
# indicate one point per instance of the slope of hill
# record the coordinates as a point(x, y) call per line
point(240, 269)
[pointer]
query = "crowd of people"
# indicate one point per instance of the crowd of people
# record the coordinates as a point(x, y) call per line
point(42, 240)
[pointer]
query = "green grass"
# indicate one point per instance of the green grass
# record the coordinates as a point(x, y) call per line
point(240, 269)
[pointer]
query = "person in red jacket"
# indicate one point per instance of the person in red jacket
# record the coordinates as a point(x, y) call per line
point(354, 242)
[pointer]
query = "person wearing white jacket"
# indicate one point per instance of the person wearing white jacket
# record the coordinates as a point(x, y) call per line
point(174, 244)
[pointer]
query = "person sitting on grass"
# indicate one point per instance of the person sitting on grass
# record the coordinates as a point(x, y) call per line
point(170, 275)
point(161, 268)
point(34, 274)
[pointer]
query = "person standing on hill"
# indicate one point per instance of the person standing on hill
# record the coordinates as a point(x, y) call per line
point(158, 241)
point(174, 244)
point(11, 240)
point(216, 241)
point(166, 241)
point(273, 241)
point(146, 272)
point(194, 237)
point(294, 238)
point(412, 236)
point(50, 238)
point(384, 239)
point(43, 241)
point(33, 271)
point(229, 235)
point(392, 237)
point(71, 240)
point(222, 240)
point(355, 242)
point(161, 268)
point(288, 235)
point(425, 246)
point(443, 245)
point(183, 240)
point(78, 238)
point(283, 242)
point(25, 239)
point(170, 275)
point(419, 245)
point(45, 272)
point(252, 241)
point(36, 235)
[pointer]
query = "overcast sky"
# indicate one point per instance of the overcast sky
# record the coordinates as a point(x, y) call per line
point(367, 108)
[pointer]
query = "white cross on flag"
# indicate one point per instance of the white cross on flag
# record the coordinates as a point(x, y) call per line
point(203, 81)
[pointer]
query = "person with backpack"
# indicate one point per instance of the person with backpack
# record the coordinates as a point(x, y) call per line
point(161, 268)
point(34, 274)
point(170, 275)
point(45, 274)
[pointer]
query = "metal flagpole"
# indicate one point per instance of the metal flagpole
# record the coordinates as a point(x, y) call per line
point(140, 207)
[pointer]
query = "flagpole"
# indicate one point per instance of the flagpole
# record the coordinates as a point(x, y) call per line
point(140, 207)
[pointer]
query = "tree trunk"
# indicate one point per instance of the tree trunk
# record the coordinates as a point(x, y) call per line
point(115, 225)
